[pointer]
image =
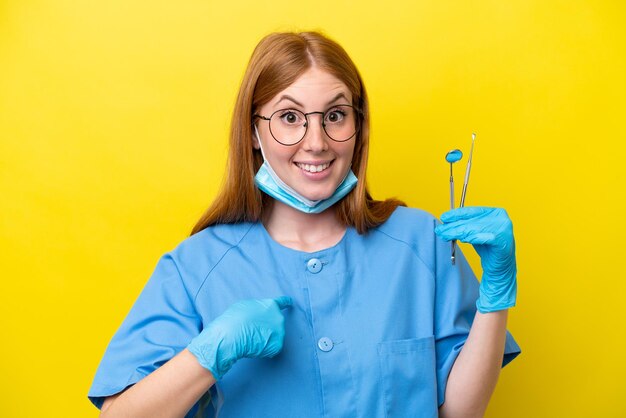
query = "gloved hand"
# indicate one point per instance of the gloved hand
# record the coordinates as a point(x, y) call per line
point(490, 231)
point(248, 328)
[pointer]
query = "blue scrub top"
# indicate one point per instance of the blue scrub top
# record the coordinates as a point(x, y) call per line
point(376, 324)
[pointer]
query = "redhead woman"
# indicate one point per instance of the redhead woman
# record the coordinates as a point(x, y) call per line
point(299, 295)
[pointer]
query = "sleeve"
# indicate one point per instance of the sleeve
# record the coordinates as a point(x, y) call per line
point(456, 292)
point(160, 324)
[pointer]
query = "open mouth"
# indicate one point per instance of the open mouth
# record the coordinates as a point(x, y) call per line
point(312, 168)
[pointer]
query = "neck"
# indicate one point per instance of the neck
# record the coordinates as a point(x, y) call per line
point(303, 231)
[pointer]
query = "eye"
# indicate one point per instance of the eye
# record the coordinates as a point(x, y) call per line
point(290, 117)
point(335, 115)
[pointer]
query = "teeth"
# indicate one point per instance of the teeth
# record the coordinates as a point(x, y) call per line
point(313, 168)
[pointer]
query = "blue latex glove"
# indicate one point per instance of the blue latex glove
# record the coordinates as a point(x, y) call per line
point(490, 231)
point(248, 328)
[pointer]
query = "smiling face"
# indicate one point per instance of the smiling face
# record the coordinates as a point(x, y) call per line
point(316, 165)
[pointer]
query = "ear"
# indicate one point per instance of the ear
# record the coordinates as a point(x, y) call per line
point(255, 139)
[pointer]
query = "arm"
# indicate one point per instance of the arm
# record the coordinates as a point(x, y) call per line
point(475, 372)
point(251, 328)
point(169, 391)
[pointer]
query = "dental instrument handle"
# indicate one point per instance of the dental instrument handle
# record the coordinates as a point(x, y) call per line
point(451, 189)
point(463, 194)
point(452, 246)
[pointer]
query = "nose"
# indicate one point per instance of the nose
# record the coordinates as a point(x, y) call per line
point(315, 139)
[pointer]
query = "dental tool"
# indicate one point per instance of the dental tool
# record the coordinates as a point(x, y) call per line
point(452, 157)
point(467, 171)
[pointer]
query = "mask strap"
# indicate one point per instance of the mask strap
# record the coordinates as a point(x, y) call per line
point(258, 138)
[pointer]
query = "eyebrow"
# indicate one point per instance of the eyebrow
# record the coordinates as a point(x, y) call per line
point(287, 97)
point(337, 97)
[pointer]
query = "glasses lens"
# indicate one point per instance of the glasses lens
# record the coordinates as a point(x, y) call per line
point(288, 126)
point(340, 122)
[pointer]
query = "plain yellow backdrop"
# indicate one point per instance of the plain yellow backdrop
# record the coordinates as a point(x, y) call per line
point(113, 125)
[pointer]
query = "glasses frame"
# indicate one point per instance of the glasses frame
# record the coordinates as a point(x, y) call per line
point(306, 124)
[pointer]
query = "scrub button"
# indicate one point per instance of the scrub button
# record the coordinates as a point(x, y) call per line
point(325, 344)
point(314, 265)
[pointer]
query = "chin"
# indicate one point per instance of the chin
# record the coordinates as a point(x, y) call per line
point(317, 196)
point(317, 191)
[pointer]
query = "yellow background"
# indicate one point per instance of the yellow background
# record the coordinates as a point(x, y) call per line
point(113, 127)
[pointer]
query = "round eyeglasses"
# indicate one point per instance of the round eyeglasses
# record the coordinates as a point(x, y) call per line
point(289, 126)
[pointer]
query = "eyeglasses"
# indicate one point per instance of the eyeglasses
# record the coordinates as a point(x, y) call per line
point(289, 126)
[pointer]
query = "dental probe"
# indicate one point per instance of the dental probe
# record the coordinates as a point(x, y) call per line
point(467, 172)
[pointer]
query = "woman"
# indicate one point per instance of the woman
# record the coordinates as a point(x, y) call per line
point(298, 295)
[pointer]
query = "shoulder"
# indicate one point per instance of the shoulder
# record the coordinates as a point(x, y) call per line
point(411, 227)
point(216, 238)
point(405, 223)
point(197, 255)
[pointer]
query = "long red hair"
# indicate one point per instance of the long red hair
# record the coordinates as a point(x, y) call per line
point(277, 61)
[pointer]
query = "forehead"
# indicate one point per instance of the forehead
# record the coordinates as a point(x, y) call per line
point(314, 88)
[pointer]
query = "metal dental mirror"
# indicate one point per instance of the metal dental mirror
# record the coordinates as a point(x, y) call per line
point(452, 157)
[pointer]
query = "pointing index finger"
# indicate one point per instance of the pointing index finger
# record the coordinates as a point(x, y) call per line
point(283, 302)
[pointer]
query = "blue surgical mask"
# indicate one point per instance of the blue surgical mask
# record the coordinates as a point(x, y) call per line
point(268, 181)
